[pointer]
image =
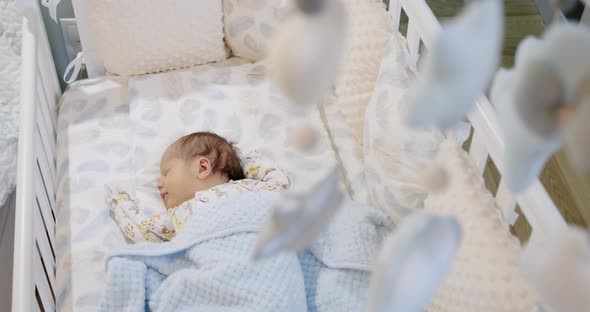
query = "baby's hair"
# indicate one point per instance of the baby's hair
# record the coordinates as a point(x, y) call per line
point(221, 153)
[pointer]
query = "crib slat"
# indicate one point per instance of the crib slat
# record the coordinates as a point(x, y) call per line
point(45, 66)
point(46, 177)
point(50, 104)
point(43, 243)
point(413, 38)
point(44, 205)
point(42, 284)
point(46, 162)
point(47, 147)
point(46, 122)
point(47, 114)
point(47, 108)
point(395, 10)
point(478, 152)
point(507, 202)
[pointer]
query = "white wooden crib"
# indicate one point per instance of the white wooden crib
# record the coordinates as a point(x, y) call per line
point(34, 258)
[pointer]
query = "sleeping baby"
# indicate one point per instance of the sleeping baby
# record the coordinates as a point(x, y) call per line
point(201, 166)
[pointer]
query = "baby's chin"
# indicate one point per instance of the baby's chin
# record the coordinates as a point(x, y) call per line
point(169, 204)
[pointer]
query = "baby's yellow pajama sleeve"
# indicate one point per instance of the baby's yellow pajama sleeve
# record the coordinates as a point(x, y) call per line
point(136, 226)
point(263, 169)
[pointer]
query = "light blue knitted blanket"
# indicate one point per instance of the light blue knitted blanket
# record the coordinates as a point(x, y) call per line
point(208, 266)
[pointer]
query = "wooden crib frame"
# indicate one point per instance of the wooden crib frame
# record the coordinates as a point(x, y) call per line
point(34, 258)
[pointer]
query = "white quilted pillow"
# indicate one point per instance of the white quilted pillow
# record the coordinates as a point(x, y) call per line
point(249, 25)
point(485, 276)
point(395, 155)
point(369, 28)
point(134, 37)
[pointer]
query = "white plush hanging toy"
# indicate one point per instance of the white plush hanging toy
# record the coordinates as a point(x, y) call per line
point(413, 263)
point(306, 55)
point(544, 100)
point(558, 266)
point(304, 63)
point(460, 65)
point(298, 218)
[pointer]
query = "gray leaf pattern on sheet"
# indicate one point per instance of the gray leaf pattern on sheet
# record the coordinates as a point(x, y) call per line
point(233, 126)
point(118, 122)
point(79, 215)
point(74, 105)
point(268, 125)
point(209, 120)
point(257, 69)
point(89, 300)
point(123, 108)
point(222, 76)
point(240, 24)
point(256, 74)
point(172, 84)
point(92, 110)
point(266, 30)
point(93, 165)
point(82, 184)
point(255, 46)
point(125, 166)
point(139, 158)
point(82, 136)
point(92, 224)
point(247, 38)
point(188, 111)
point(112, 241)
point(132, 93)
point(144, 131)
point(198, 84)
point(113, 148)
point(216, 95)
point(151, 110)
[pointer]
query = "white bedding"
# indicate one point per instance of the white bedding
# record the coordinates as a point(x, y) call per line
point(10, 45)
point(112, 129)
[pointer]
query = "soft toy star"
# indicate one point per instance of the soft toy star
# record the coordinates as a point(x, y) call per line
point(413, 263)
point(298, 218)
point(306, 55)
point(544, 100)
point(558, 266)
point(461, 62)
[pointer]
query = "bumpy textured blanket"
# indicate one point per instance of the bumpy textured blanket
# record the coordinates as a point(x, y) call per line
point(208, 266)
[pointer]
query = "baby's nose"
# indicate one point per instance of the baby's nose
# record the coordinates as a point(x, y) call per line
point(159, 186)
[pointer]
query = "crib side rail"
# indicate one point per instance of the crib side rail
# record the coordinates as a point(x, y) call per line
point(33, 281)
point(535, 203)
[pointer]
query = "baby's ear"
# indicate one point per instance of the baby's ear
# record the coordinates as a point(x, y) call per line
point(203, 167)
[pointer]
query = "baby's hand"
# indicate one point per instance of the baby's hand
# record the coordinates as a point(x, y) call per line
point(116, 194)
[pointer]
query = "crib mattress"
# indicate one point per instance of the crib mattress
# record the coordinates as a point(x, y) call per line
point(111, 129)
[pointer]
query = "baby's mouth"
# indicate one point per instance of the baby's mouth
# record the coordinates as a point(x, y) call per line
point(164, 196)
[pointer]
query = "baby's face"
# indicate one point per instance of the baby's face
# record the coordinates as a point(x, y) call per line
point(177, 183)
